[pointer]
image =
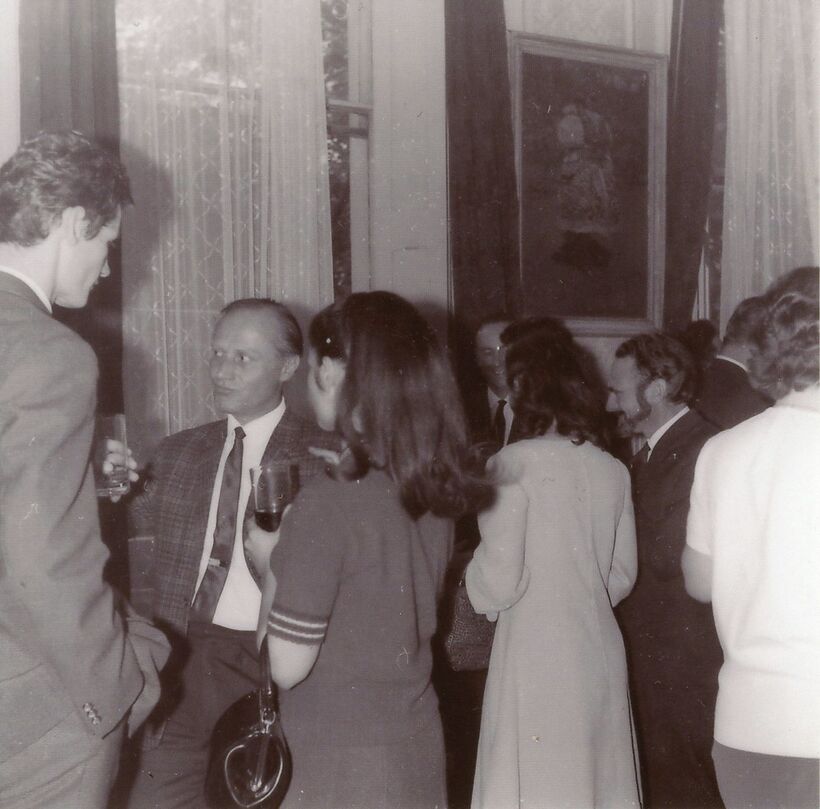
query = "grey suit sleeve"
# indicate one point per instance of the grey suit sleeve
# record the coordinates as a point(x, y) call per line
point(51, 553)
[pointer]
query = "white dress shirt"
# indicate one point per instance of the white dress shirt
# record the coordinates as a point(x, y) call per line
point(659, 433)
point(240, 600)
point(733, 361)
point(493, 401)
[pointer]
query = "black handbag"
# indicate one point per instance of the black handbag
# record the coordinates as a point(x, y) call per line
point(469, 638)
point(250, 764)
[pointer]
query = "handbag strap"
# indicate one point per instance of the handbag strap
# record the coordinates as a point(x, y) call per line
point(268, 693)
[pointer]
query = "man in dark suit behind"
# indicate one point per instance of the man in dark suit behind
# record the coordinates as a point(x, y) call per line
point(726, 397)
point(672, 648)
point(70, 671)
point(495, 408)
point(194, 506)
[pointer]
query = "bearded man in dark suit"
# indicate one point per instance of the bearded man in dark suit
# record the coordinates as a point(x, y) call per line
point(70, 669)
point(726, 396)
point(194, 505)
point(672, 648)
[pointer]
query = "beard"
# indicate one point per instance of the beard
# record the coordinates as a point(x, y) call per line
point(629, 425)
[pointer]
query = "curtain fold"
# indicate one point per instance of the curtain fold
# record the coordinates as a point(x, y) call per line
point(224, 136)
point(771, 196)
point(483, 199)
point(693, 68)
point(68, 80)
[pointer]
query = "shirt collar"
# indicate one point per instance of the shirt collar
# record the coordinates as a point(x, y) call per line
point(733, 361)
point(659, 433)
point(262, 426)
point(493, 398)
point(32, 285)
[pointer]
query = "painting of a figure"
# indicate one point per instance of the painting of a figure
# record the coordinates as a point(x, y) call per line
point(589, 151)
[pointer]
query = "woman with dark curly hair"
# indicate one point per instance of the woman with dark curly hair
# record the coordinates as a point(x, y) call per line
point(557, 552)
point(361, 562)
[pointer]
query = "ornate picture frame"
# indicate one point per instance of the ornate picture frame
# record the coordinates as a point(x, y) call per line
point(590, 141)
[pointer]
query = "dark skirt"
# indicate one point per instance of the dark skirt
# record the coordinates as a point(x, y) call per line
point(408, 774)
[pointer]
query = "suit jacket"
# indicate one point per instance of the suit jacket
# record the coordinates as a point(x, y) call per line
point(726, 397)
point(63, 641)
point(659, 611)
point(672, 647)
point(174, 507)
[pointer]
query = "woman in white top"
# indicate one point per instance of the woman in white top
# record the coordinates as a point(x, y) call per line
point(753, 549)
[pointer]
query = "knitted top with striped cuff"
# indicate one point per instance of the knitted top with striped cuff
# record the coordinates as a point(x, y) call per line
point(355, 573)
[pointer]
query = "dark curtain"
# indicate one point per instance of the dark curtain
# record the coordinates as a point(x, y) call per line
point(68, 69)
point(483, 199)
point(693, 71)
point(481, 158)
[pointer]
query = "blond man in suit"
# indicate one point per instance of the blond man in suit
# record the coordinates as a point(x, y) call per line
point(71, 672)
point(194, 506)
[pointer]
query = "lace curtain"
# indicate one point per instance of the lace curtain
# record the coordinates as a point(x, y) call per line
point(771, 193)
point(224, 136)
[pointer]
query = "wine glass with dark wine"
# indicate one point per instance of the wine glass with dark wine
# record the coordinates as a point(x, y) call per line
point(274, 487)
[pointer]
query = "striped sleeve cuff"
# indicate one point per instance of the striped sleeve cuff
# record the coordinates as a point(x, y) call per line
point(296, 627)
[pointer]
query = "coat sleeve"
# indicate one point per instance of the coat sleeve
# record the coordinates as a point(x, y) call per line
point(624, 568)
point(497, 577)
point(51, 553)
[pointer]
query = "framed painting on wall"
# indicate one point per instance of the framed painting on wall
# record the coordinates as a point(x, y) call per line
point(590, 133)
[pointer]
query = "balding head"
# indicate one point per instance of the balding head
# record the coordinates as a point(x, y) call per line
point(256, 347)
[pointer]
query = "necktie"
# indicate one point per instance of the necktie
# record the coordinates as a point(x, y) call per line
point(639, 460)
point(213, 581)
point(500, 423)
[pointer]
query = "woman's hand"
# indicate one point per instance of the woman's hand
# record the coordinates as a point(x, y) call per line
point(259, 545)
point(326, 455)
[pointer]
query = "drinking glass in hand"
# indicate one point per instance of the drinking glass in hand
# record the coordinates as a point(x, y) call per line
point(111, 456)
point(274, 487)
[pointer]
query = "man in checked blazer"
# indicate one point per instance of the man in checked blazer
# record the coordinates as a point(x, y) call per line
point(75, 667)
point(672, 649)
point(256, 348)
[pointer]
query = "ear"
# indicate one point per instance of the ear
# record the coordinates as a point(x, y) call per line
point(289, 367)
point(656, 391)
point(74, 224)
point(356, 418)
point(331, 373)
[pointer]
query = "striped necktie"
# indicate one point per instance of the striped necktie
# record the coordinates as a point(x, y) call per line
point(213, 581)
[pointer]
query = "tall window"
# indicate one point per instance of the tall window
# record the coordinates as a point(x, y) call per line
point(346, 26)
point(224, 133)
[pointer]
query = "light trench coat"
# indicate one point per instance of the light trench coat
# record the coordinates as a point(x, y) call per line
point(557, 553)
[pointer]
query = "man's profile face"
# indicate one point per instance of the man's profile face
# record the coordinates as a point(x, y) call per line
point(82, 262)
point(627, 388)
point(489, 354)
point(247, 365)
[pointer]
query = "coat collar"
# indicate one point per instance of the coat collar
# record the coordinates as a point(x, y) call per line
point(14, 286)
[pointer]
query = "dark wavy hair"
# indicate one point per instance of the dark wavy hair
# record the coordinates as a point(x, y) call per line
point(54, 171)
point(699, 338)
point(408, 417)
point(746, 320)
point(787, 354)
point(660, 356)
point(554, 383)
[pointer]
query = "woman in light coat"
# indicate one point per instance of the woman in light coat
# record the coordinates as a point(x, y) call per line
point(557, 553)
